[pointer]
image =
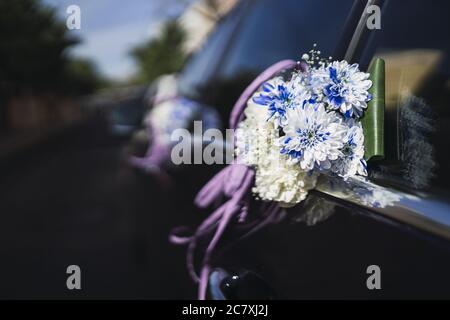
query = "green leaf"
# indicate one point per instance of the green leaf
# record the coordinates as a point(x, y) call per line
point(373, 119)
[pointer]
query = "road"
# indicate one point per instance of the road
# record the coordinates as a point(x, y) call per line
point(74, 201)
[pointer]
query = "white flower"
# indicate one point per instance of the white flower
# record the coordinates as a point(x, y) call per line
point(283, 182)
point(294, 130)
point(351, 162)
point(252, 133)
point(276, 179)
point(343, 86)
point(301, 87)
point(313, 137)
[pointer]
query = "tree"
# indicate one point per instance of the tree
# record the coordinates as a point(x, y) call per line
point(33, 54)
point(32, 45)
point(81, 76)
point(161, 55)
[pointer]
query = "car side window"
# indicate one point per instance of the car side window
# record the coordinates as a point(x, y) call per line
point(268, 31)
point(201, 66)
point(276, 30)
point(413, 41)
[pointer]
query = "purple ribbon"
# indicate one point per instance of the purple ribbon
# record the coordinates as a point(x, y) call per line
point(232, 185)
point(237, 114)
point(157, 154)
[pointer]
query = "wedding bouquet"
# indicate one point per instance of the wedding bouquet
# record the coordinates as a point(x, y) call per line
point(308, 124)
point(290, 130)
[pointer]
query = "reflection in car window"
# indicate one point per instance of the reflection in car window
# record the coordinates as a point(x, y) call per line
point(269, 31)
point(413, 41)
point(201, 66)
point(276, 30)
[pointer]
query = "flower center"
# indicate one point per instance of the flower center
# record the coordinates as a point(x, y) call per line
point(347, 149)
point(310, 137)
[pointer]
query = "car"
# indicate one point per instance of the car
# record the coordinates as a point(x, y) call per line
point(328, 246)
point(123, 108)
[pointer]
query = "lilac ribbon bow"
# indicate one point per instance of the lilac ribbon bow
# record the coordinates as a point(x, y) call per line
point(157, 154)
point(233, 183)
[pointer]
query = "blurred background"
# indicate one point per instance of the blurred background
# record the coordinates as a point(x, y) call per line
point(69, 103)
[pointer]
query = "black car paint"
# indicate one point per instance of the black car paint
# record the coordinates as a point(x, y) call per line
point(329, 260)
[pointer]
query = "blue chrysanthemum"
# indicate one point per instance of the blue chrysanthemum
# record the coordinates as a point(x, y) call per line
point(345, 87)
point(351, 161)
point(277, 97)
point(313, 137)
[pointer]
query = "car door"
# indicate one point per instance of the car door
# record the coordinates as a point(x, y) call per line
point(254, 35)
point(329, 246)
point(259, 33)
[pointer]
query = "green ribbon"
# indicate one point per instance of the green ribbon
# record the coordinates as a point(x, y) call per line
point(373, 119)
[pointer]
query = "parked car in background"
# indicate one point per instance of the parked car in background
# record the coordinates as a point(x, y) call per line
point(124, 108)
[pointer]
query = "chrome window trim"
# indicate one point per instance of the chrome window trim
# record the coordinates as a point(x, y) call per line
point(423, 211)
point(361, 33)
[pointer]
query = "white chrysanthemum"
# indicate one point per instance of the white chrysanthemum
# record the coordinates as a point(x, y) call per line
point(276, 179)
point(351, 162)
point(282, 181)
point(343, 87)
point(313, 137)
point(252, 133)
point(302, 88)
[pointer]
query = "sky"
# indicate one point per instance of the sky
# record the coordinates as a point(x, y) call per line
point(111, 28)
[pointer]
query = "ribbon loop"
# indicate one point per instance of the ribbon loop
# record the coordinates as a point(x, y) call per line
point(234, 182)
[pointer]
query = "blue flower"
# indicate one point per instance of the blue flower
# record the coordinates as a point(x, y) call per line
point(345, 88)
point(351, 160)
point(277, 96)
point(313, 137)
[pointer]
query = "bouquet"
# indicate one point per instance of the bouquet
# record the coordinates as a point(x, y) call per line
point(290, 130)
point(306, 125)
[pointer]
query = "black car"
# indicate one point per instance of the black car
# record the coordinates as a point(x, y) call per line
point(408, 243)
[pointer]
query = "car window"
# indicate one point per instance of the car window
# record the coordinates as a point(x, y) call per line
point(269, 31)
point(202, 65)
point(413, 41)
point(276, 30)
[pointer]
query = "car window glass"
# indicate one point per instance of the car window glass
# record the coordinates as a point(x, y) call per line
point(268, 31)
point(276, 30)
point(413, 41)
point(202, 64)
